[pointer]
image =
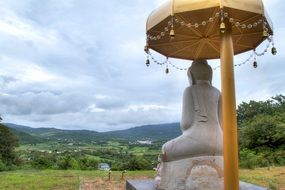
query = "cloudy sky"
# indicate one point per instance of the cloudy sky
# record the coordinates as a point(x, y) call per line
point(80, 64)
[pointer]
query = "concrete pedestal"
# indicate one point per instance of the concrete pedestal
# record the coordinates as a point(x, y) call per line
point(150, 185)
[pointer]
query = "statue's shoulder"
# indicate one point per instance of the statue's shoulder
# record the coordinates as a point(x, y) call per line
point(188, 92)
point(217, 91)
point(188, 89)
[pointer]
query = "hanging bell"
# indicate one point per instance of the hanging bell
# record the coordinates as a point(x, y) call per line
point(166, 70)
point(223, 27)
point(146, 48)
point(255, 64)
point(147, 62)
point(172, 34)
point(274, 51)
point(265, 34)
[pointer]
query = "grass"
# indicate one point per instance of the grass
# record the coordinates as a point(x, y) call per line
point(264, 176)
point(66, 180)
point(73, 179)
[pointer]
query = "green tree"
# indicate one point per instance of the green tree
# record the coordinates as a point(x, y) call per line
point(136, 163)
point(8, 142)
point(247, 111)
point(263, 131)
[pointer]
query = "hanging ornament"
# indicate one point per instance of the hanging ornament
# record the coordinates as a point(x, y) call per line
point(265, 34)
point(167, 70)
point(222, 25)
point(255, 64)
point(265, 30)
point(274, 50)
point(172, 33)
point(147, 62)
point(146, 48)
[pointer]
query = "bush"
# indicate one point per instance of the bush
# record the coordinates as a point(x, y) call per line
point(2, 166)
point(42, 162)
point(250, 159)
point(86, 163)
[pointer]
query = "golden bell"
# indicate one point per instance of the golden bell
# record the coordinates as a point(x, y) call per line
point(147, 62)
point(265, 34)
point(172, 34)
point(255, 64)
point(274, 51)
point(146, 48)
point(166, 70)
point(223, 27)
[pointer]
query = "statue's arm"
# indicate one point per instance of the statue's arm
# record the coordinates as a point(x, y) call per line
point(187, 110)
point(220, 113)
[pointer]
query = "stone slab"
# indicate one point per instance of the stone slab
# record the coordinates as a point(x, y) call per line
point(150, 185)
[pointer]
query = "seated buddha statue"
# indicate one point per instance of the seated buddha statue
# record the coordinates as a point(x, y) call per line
point(200, 123)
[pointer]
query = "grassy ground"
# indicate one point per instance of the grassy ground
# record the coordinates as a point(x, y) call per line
point(67, 180)
point(273, 177)
point(85, 180)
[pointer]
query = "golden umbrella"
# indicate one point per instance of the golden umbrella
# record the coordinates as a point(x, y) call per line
point(190, 29)
point(210, 29)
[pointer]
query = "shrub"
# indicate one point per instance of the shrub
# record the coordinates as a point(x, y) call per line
point(250, 159)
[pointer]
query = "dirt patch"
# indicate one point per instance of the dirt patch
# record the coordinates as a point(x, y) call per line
point(103, 183)
point(100, 184)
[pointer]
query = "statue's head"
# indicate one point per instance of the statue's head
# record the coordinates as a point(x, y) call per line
point(199, 70)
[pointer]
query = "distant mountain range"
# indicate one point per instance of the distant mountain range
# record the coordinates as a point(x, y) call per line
point(29, 135)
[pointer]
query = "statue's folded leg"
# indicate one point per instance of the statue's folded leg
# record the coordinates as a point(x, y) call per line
point(180, 148)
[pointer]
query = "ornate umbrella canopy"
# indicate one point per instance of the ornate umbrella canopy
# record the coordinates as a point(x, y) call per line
point(190, 29)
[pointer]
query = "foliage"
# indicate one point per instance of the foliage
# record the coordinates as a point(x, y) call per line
point(136, 163)
point(262, 132)
point(8, 142)
point(86, 163)
point(247, 111)
point(250, 159)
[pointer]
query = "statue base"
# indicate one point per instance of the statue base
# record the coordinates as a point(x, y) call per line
point(150, 185)
point(204, 172)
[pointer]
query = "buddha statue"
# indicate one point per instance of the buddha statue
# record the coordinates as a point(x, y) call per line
point(200, 145)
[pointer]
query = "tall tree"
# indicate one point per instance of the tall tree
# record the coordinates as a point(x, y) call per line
point(8, 142)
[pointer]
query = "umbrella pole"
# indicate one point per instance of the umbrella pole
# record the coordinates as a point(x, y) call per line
point(231, 179)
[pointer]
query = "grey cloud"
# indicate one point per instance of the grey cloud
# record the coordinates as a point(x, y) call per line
point(42, 103)
point(5, 80)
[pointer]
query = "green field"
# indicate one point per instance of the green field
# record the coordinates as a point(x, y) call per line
point(73, 179)
point(68, 179)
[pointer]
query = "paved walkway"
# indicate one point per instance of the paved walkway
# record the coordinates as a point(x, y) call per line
point(150, 185)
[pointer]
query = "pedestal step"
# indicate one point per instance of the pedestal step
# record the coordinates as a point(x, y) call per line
point(150, 185)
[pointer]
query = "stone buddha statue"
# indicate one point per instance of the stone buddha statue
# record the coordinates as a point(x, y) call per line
point(200, 124)
point(200, 145)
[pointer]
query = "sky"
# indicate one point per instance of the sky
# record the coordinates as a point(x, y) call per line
point(80, 64)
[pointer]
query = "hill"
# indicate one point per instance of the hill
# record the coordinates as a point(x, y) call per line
point(147, 132)
point(29, 135)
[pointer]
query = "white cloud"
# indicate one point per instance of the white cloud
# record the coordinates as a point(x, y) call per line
point(81, 64)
